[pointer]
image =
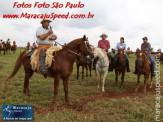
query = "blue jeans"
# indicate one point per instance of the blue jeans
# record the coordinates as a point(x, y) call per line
point(152, 63)
point(42, 60)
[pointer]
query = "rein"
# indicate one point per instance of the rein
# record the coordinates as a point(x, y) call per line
point(73, 51)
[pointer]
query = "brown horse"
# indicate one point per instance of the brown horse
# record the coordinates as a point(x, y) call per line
point(143, 67)
point(8, 47)
point(120, 66)
point(113, 51)
point(61, 68)
point(13, 48)
point(3, 48)
point(161, 58)
point(84, 63)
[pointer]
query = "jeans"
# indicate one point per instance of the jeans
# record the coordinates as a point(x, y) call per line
point(42, 60)
point(152, 63)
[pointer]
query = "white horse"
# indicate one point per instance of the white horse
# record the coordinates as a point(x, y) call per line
point(102, 66)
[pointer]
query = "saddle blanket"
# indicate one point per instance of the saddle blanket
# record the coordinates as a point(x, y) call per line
point(48, 59)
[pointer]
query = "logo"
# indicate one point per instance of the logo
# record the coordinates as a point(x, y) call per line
point(17, 112)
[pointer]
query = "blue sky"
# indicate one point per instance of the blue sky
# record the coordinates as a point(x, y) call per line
point(132, 19)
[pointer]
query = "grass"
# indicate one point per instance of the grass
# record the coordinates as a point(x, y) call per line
point(116, 104)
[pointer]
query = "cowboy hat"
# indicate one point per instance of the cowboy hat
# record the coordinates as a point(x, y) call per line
point(104, 35)
point(46, 19)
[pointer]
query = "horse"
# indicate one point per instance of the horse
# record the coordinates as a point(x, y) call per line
point(120, 66)
point(128, 52)
point(102, 66)
point(13, 48)
point(84, 63)
point(143, 67)
point(61, 68)
point(161, 58)
point(113, 51)
point(8, 47)
point(3, 48)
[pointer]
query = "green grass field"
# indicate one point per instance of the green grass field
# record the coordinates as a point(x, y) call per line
point(115, 105)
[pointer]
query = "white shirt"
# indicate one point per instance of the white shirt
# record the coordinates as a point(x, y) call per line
point(41, 31)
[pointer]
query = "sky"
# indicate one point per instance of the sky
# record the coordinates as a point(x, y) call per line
point(131, 19)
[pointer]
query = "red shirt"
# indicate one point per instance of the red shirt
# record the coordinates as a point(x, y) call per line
point(14, 43)
point(28, 44)
point(104, 44)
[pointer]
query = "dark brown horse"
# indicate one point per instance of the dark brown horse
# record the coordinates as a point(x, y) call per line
point(61, 68)
point(84, 63)
point(143, 67)
point(161, 58)
point(8, 47)
point(13, 48)
point(113, 51)
point(120, 66)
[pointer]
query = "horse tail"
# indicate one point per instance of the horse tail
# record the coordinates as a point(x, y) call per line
point(17, 66)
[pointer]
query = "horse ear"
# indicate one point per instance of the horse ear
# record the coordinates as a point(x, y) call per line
point(84, 37)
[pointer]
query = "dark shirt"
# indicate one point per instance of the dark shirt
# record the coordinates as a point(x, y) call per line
point(146, 47)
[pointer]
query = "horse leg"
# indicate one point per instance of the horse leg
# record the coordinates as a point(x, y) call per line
point(56, 84)
point(103, 81)
point(122, 79)
point(28, 74)
point(86, 66)
point(98, 79)
point(116, 78)
point(90, 69)
point(82, 71)
point(65, 84)
point(151, 82)
point(138, 81)
point(77, 77)
point(145, 81)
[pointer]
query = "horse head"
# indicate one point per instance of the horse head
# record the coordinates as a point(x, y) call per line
point(85, 48)
point(120, 58)
point(141, 56)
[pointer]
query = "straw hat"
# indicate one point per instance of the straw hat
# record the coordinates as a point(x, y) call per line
point(104, 35)
point(46, 19)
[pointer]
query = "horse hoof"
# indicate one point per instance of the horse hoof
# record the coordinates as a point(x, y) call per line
point(103, 90)
point(69, 103)
point(121, 86)
point(150, 87)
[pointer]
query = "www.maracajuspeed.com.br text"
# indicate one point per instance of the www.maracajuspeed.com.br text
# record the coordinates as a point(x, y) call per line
point(51, 16)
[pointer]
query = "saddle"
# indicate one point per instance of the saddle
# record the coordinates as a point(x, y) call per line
point(50, 56)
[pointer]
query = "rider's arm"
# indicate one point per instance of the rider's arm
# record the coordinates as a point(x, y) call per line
point(44, 36)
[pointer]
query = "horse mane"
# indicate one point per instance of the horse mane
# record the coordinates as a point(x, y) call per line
point(73, 43)
point(103, 51)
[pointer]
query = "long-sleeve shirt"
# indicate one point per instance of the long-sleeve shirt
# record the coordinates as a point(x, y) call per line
point(104, 44)
point(147, 47)
point(119, 46)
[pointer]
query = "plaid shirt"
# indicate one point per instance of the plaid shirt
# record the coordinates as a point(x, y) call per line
point(146, 47)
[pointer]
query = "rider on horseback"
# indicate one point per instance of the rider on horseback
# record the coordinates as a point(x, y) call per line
point(1, 45)
point(14, 43)
point(121, 45)
point(8, 41)
point(146, 46)
point(103, 44)
point(45, 38)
